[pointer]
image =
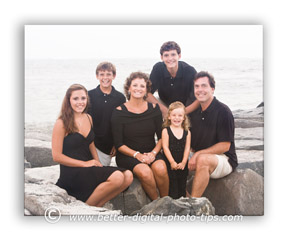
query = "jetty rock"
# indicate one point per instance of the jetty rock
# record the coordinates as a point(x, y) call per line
point(249, 138)
point(37, 149)
point(183, 206)
point(240, 193)
point(41, 193)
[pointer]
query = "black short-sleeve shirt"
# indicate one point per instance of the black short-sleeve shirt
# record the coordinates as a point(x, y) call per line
point(214, 125)
point(100, 109)
point(180, 88)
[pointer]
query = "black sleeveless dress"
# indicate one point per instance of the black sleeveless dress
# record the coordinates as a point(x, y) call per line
point(80, 182)
point(177, 178)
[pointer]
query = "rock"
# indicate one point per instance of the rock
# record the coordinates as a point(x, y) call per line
point(240, 193)
point(250, 156)
point(260, 105)
point(27, 164)
point(251, 118)
point(37, 149)
point(183, 206)
point(256, 114)
point(42, 175)
point(256, 166)
point(134, 198)
point(247, 123)
point(40, 197)
point(27, 213)
point(39, 131)
point(42, 193)
point(39, 156)
point(249, 144)
point(256, 133)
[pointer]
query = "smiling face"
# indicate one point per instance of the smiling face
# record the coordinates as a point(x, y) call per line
point(171, 58)
point(105, 78)
point(78, 101)
point(177, 117)
point(138, 88)
point(203, 91)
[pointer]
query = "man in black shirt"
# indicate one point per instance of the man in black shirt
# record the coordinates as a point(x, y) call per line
point(103, 100)
point(212, 136)
point(173, 79)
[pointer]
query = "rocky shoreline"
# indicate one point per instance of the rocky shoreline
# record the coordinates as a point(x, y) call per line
point(242, 192)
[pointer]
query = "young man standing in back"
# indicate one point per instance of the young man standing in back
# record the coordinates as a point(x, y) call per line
point(173, 79)
point(103, 100)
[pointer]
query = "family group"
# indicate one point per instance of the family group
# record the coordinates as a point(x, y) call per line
point(158, 140)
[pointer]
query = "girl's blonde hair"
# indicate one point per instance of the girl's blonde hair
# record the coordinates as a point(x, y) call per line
point(172, 106)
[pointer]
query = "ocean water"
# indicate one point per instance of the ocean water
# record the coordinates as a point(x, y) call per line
point(239, 82)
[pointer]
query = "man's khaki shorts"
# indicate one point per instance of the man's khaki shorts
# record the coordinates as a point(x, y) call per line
point(223, 168)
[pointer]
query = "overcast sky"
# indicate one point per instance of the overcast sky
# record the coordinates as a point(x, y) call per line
point(142, 41)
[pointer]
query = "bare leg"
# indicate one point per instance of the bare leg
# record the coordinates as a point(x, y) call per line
point(161, 176)
point(205, 165)
point(115, 184)
point(145, 175)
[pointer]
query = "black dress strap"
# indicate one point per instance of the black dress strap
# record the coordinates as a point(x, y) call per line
point(170, 133)
point(89, 120)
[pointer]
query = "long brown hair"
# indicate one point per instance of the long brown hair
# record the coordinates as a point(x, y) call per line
point(66, 113)
point(185, 124)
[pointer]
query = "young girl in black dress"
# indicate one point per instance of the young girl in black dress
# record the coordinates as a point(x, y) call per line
point(176, 139)
point(81, 173)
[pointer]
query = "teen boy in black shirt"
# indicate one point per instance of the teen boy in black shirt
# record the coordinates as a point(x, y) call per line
point(212, 136)
point(173, 79)
point(103, 100)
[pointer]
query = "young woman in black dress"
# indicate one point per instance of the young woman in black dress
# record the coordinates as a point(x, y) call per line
point(81, 173)
point(134, 125)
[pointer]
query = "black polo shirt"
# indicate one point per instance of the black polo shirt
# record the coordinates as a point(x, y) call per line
point(100, 108)
point(214, 125)
point(180, 88)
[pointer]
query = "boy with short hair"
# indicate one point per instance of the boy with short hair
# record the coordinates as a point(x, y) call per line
point(173, 79)
point(103, 100)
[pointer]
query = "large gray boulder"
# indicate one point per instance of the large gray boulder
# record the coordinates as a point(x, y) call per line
point(41, 193)
point(240, 193)
point(37, 149)
point(249, 118)
point(183, 206)
point(134, 198)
